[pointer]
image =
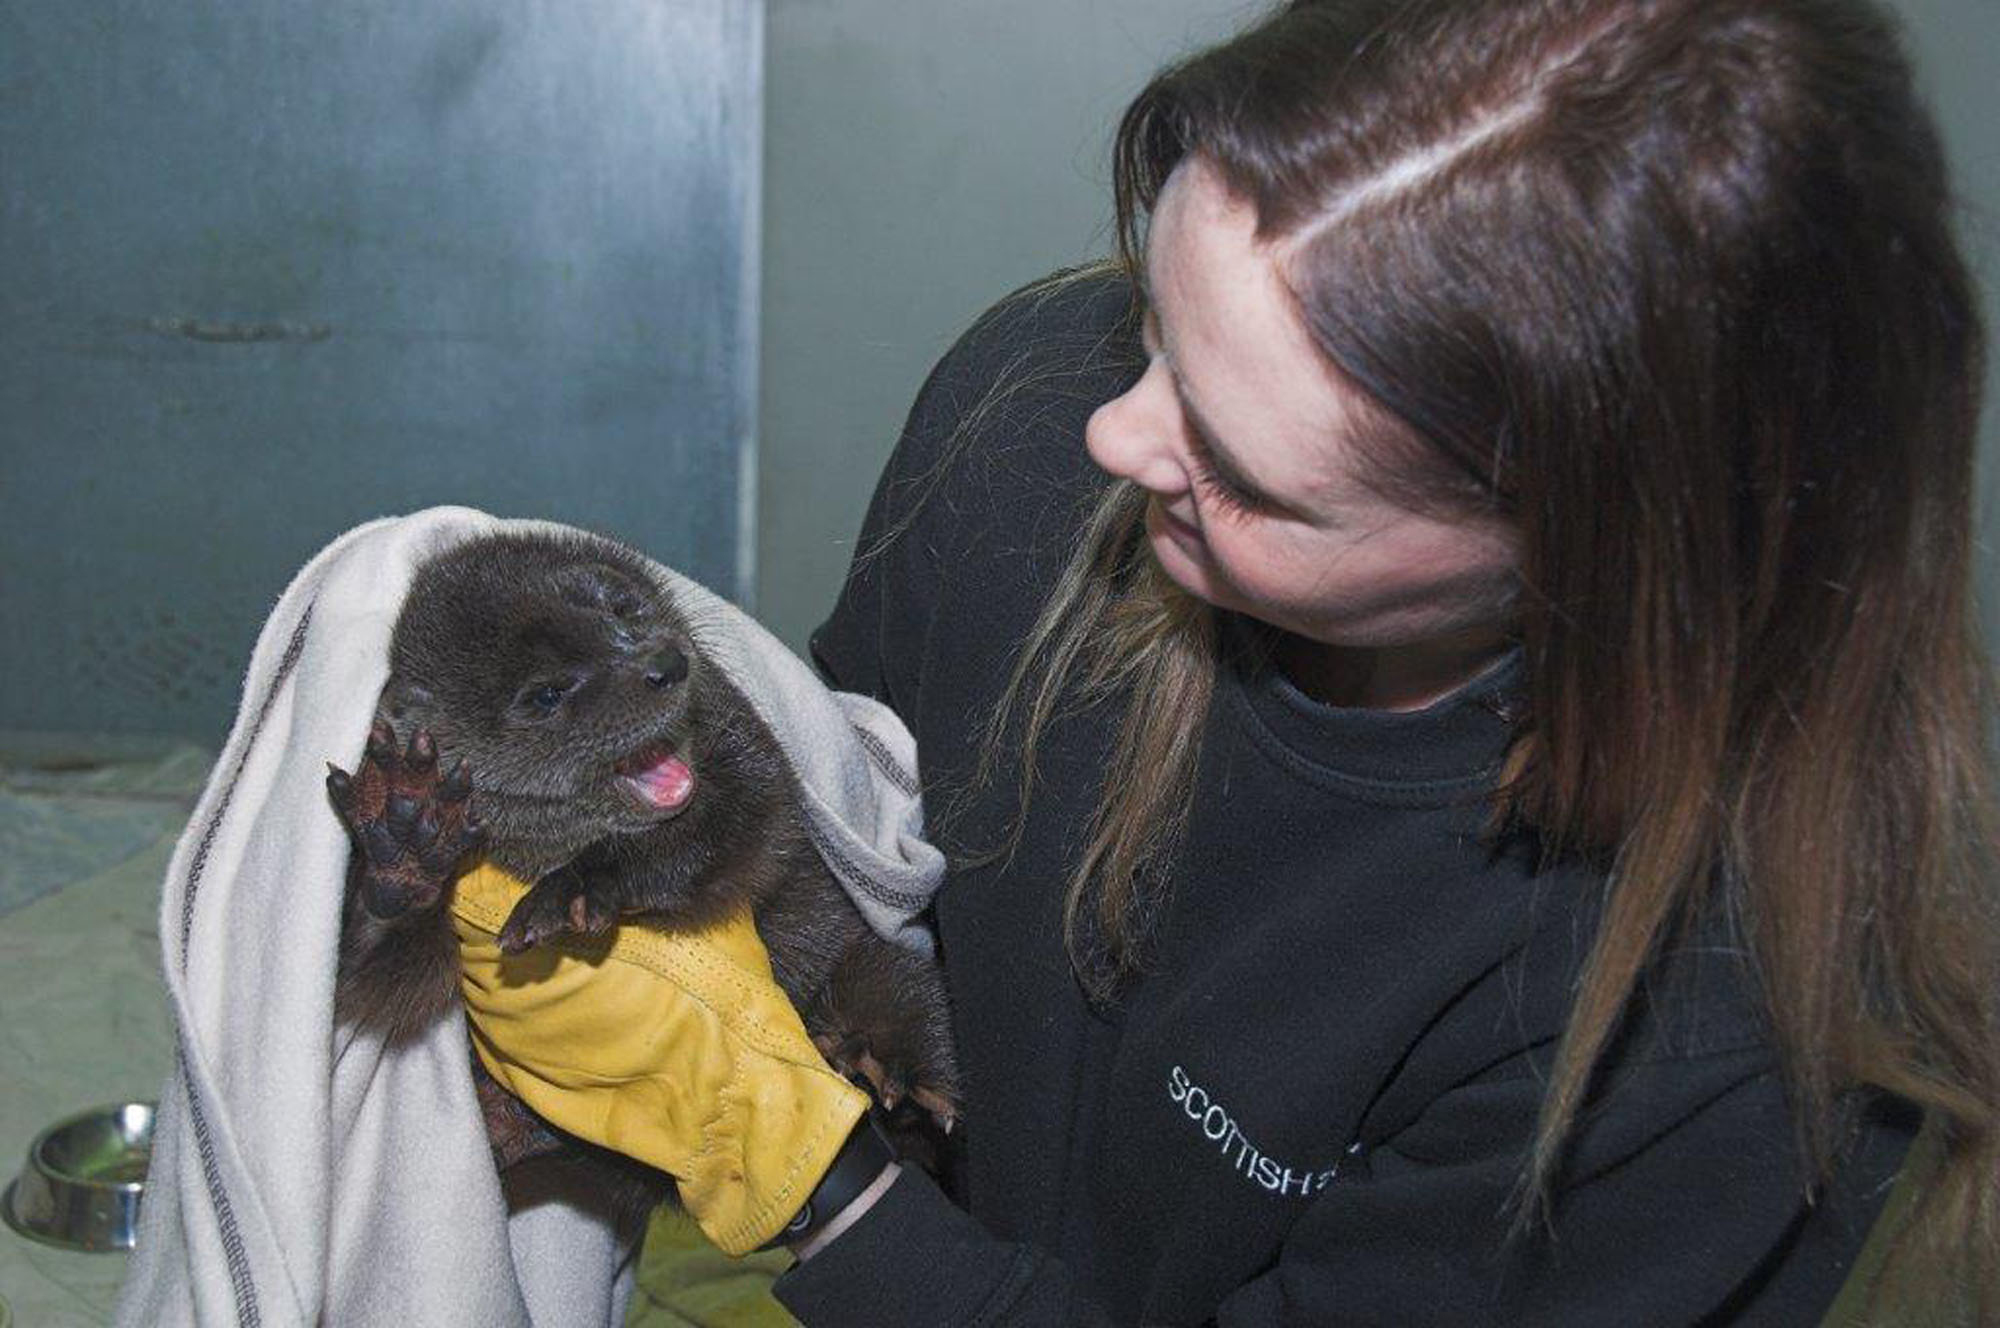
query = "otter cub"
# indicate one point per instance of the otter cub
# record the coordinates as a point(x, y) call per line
point(597, 753)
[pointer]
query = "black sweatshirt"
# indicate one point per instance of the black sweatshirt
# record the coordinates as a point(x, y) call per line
point(1314, 1105)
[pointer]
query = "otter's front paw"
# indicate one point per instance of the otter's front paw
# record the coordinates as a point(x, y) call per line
point(560, 903)
point(410, 826)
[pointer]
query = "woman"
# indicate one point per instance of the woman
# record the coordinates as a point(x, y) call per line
point(1523, 673)
point(1455, 696)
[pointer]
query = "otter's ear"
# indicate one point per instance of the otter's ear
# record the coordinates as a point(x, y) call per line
point(402, 696)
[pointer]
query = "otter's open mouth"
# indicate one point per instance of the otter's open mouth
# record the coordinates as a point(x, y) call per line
point(657, 778)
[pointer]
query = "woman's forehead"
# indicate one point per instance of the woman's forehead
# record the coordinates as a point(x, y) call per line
point(1232, 333)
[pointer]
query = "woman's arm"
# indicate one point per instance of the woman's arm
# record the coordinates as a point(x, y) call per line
point(1684, 1205)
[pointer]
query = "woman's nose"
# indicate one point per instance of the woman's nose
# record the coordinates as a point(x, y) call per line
point(1133, 436)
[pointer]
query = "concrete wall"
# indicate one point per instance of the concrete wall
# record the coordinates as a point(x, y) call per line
point(1957, 44)
point(269, 270)
point(921, 160)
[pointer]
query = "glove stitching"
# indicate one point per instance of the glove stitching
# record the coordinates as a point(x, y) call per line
point(759, 1035)
point(758, 1227)
point(656, 956)
point(710, 982)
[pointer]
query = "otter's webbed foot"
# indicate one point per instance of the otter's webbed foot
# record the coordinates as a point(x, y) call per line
point(561, 903)
point(410, 825)
point(894, 1082)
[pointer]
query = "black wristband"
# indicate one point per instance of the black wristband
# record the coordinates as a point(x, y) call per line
point(855, 1167)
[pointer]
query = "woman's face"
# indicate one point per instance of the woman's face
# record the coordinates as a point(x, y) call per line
point(1242, 433)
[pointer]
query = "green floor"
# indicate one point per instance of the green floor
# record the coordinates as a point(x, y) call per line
point(86, 828)
point(85, 833)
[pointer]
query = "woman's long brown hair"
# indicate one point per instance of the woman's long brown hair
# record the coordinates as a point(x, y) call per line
point(1672, 286)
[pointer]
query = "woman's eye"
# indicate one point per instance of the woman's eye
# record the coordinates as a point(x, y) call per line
point(1221, 492)
point(1228, 498)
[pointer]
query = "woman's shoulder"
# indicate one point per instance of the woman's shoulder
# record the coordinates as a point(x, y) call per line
point(1083, 317)
point(1023, 379)
point(991, 463)
point(976, 511)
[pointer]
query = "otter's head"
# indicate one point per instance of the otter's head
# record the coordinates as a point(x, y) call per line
point(559, 670)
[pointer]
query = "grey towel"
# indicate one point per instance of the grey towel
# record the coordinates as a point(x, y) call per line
point(301, 1181)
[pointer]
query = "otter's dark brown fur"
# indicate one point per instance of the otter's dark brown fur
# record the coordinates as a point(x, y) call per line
point(593, 749)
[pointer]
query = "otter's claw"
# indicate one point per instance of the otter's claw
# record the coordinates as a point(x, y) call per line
point(560, 903)
point(892, 1085)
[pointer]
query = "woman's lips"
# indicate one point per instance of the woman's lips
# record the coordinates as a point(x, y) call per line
point(1185, 534)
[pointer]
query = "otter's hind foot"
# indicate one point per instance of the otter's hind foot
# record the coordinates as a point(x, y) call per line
point(882, 1021)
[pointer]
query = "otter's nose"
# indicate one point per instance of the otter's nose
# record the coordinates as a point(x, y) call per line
point(666, 668)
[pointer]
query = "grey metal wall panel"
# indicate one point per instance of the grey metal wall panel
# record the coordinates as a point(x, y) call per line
point(269, 268)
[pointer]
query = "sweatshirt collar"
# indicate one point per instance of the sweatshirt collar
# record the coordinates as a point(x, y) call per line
point(1457, 741)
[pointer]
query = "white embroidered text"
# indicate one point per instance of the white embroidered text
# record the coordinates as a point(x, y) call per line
point(1244, 1158)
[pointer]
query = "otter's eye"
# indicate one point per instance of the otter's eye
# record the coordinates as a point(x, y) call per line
point(546, 697)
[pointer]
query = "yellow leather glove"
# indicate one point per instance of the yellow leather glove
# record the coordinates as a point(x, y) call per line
point(676, 1049)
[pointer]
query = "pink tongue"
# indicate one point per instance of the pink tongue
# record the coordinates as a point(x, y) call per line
point(666, 784)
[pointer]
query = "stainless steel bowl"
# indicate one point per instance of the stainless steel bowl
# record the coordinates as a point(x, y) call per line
point(80, 1189)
